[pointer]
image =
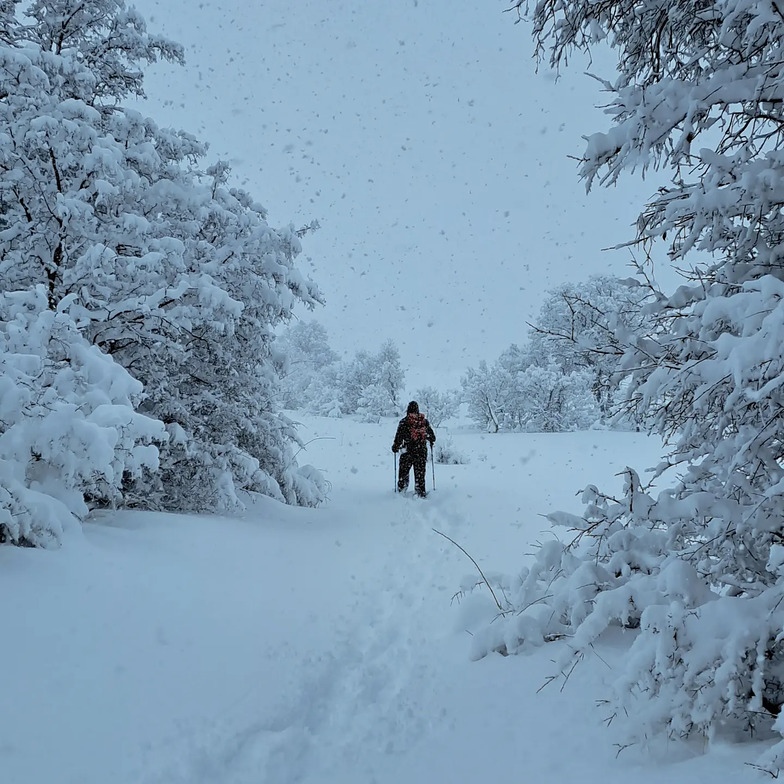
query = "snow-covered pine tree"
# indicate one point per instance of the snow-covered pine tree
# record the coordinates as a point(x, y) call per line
point(159, 264)
point(698, 566)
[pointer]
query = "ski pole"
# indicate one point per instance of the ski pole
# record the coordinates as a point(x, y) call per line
point(433, 466)
point(394, 455)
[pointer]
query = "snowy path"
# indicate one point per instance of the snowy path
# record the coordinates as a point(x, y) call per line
point(366, 696)
point(387, 693)
point(297, 646)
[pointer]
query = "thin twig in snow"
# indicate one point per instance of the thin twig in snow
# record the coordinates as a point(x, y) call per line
point(484, 579)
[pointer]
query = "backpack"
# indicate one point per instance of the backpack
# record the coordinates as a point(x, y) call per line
point(417, 428)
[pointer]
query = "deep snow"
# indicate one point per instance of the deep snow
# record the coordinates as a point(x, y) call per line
point(322, 645)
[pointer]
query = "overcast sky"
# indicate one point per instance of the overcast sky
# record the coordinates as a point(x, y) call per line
point(421, 138)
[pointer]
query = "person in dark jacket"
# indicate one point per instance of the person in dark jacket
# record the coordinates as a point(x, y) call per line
point(413, 435)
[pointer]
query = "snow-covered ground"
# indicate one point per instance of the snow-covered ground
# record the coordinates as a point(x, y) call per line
point(318, 645)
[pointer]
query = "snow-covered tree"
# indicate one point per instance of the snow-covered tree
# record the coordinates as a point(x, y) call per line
point(696, 566)
point(69, 434)
point(371, 384)
point(585, 326)
point(305, 354)
point(355, 376)
point(391, 376)
point(159, 264)
point(487, 392)
point(517, 394)
point(547, 400)
point(374, 403)
point(436, 406)
point(313, 378)
point(324, 394)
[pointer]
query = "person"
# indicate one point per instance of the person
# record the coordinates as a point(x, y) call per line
point(412, 436)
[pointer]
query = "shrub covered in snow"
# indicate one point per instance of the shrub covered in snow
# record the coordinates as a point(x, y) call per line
point(445, 451)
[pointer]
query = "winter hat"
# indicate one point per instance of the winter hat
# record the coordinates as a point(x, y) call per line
point(413, 407)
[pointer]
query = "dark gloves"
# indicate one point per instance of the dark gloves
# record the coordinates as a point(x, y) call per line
point(394, 448)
